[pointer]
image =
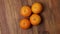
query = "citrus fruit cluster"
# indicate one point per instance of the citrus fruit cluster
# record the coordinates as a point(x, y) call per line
point(32, 13)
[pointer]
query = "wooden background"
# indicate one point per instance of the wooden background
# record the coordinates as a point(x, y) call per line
point(9, 17)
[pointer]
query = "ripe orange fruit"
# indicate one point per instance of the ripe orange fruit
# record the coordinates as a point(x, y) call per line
point(25, 11)
point(37, 8)
point(25, 24)
point(35, 19)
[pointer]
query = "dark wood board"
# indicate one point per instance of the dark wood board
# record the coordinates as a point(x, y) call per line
point(10, 16)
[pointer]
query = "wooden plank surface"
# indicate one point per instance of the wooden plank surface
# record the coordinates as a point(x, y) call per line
point(9, 17)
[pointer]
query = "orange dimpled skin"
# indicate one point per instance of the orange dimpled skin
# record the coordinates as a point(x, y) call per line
point(35, 19)
point(25, 11)
point(37, 8)
point(25, 24)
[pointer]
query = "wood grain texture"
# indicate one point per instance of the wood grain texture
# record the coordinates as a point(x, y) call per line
point(9, 17)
